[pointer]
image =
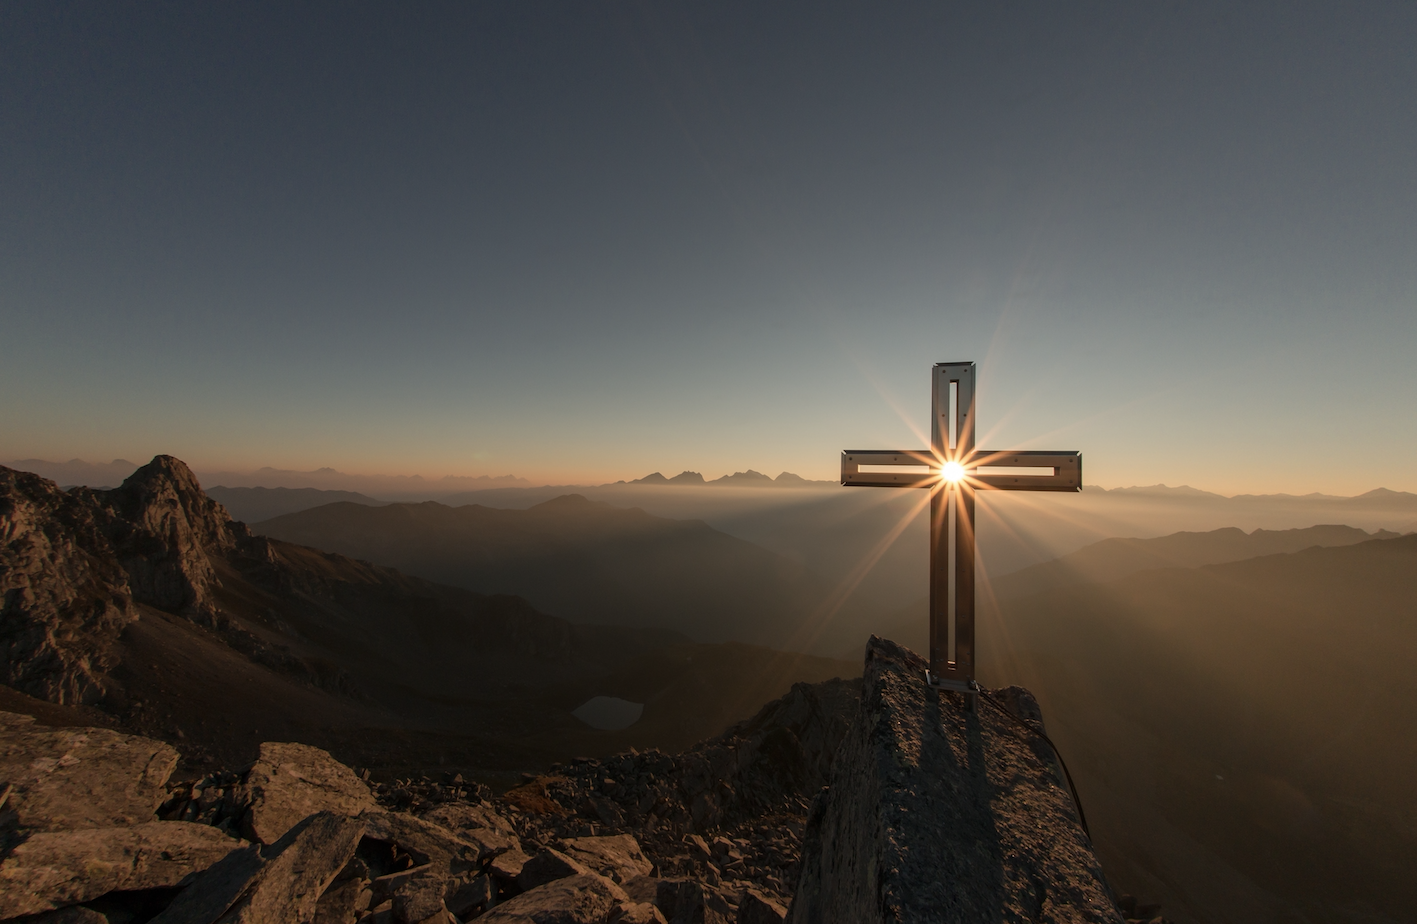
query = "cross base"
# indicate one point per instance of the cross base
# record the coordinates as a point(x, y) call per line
point(969, 688)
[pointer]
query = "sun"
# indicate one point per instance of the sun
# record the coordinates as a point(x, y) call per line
point(952, 471)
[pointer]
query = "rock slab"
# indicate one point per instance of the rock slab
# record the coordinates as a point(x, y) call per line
point(64, 778)
point(582, 899)
point(56, 868)
point(290, 782)
point(934, 813)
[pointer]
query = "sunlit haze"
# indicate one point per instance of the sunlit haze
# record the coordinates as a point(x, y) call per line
point(578, 243)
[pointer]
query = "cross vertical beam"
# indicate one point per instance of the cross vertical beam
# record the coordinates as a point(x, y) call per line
point(952, 529)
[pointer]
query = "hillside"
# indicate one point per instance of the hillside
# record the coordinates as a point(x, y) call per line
point(1241, 733)
point(151, 605)
point(582, 560)
point(251, 505)
point(1112, 559)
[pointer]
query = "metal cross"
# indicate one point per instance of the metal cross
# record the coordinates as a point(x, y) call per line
point(953, 470)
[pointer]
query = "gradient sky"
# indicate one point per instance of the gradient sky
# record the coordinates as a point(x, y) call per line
point(585, 241)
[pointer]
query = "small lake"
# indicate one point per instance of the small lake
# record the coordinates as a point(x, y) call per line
point(608, 713)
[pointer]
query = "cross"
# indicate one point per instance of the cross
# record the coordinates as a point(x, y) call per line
point(953, 470)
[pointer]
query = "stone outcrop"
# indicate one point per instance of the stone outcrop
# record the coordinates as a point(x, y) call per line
point(164, 532)
point(936, 813)
point(580, 899)
point(67, 778)
point(290, 782)
point(305, 863)
point(617, 858)
point(74, 563)
point(51, 869)
point(63, 596)
point(930, 813)
point(716, 821)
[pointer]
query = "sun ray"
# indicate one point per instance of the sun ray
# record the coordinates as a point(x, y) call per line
point(812, 628)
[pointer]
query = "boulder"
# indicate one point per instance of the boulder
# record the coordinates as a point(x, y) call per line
point(581, 899)
point(64, 599)
point(642, 889)
point(302, 866)
point(937, 813)
point(447, 853)
point(420, 900)
point(686, 901)
point(208, 896)
point(508, 866)
point(81, 777)
point(460, 817)
point(55, 868)
point(635, 913)
point(466, 894)
point(290, 782)
point(756, 908)
point(618, 858)
point(342, 902)
point(547, 866)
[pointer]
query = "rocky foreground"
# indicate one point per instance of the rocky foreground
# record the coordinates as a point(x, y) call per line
point(94, 832)
point(929, 813)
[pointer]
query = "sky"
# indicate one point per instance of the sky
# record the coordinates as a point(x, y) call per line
point(579, 242)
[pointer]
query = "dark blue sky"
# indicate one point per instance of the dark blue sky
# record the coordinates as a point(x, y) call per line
point(590, 240)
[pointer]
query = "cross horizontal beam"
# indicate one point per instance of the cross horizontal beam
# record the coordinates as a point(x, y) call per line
point(920, 468)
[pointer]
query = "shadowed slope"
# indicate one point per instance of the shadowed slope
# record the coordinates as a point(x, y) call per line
point(1112, 559)
point(1243, 731)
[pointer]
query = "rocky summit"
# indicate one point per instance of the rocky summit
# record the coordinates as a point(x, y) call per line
point(838, 802)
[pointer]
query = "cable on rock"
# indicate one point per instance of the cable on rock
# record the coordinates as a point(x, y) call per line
point(1082, 817)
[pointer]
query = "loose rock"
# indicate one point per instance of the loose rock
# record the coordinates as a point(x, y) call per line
point(56, 868)
point(64, 778)
point(617, 857)
point(581, 899)
point(290, 782)
point(304, 864)
point(547, 866)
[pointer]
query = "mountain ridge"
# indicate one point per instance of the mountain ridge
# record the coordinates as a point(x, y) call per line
point(150, 603)
point(585, 560)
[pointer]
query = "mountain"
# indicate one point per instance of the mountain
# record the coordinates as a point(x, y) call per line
point(1112, 559)
point(79, 472)
point(748, 479)
point(579, 559)
point(151, 605)
point(251, 505)
point(1240, 733)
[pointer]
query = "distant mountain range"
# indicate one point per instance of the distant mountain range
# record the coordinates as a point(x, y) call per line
point(748, 479)
point(579, 559)
point(251, 505)
point(111, 474)
point(1113, 559)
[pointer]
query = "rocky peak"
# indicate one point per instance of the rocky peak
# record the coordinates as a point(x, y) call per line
point(936, 812)
point(73, 563)
point(164, 498)
point(164, 531)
